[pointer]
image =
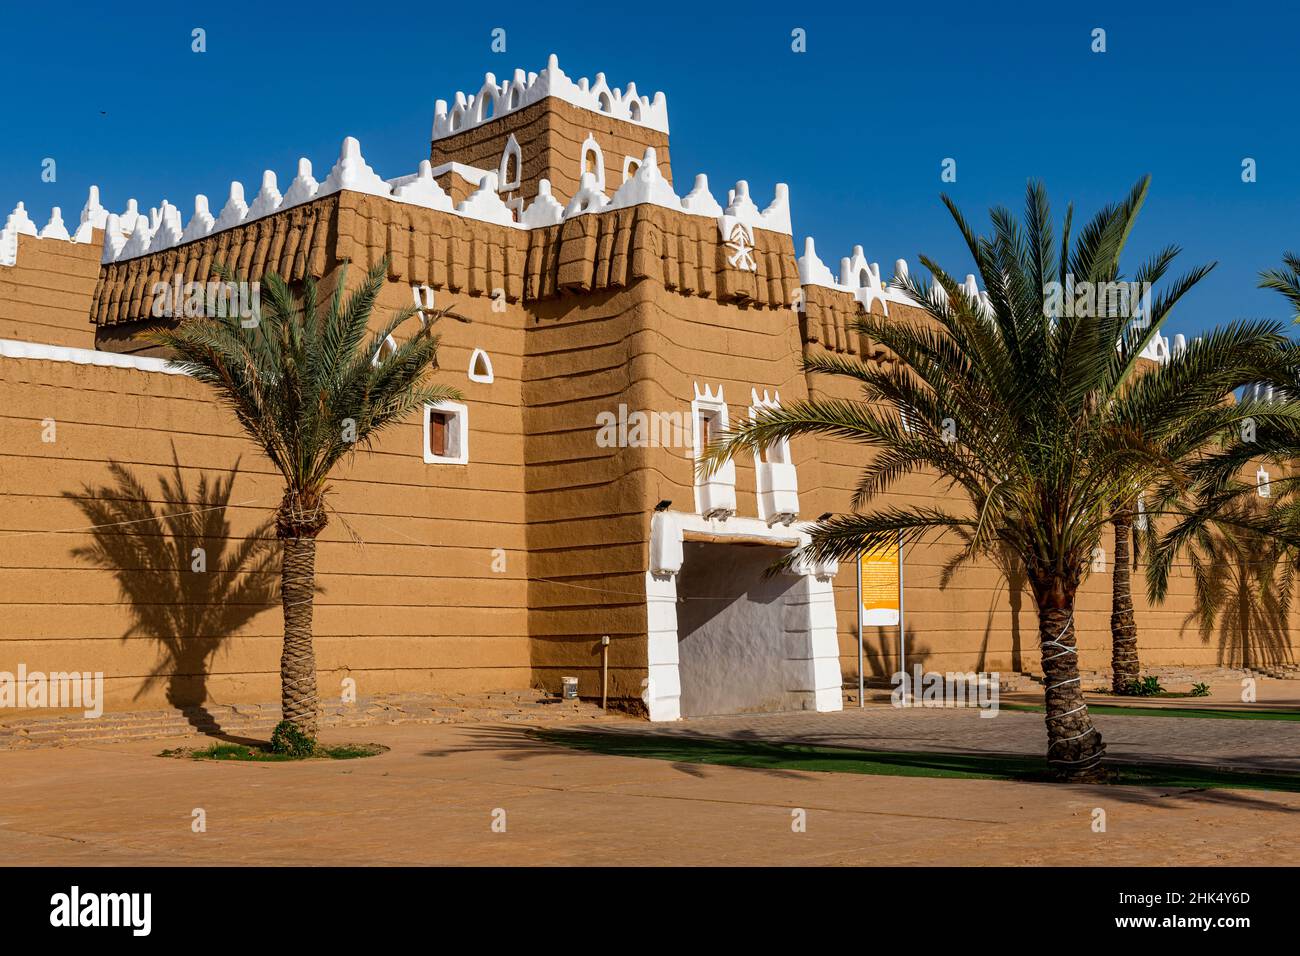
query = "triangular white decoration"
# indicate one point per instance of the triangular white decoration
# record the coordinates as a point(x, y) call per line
point(267, 200)
point(303, 187)
point(545, 209)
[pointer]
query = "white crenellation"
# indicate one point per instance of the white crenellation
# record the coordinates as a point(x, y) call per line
point(699, 201)
point(201, 223)
point(234, 211)
point(545, 210)
point(498, 99)
point(421, 189)
point(114, 238)
point(267, 200)
point(168, 231)
point(138, 243)
point(485, 204)
point(55, 229)
point(352, 172)
point(93, 213)
point(588, 198)
point(646, 185)
point(863, 280)
point(303, 187)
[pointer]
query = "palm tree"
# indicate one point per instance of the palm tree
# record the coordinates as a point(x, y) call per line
point(1037, 420)
point(309, 385)
point(1243, 547)
point(1125, 665)
point(1285, 280)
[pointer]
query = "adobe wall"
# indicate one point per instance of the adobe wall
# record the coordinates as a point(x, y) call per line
point(418, 601)
point(45, 296)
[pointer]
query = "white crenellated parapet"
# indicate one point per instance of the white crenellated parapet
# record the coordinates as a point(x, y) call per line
point(55, 229)
point(234, 211)
point(647, 185)
point(18, 224)
point(863, 280)
point(741, 208)
point(303, 187)
point(497, 99)
point(267, 200)
point(421, 189)
point(138, 243)
point(353, 173)
point(699, 201)
point(93, 213)
point(164, 227)
point(485, 204)
point(201, 223)
point(588, 198)
point(545, 210)
point(114, 238)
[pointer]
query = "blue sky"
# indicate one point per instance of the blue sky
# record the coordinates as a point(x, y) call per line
point(858, 126)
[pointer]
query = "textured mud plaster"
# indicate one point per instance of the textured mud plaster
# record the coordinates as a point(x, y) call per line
point(731, 630)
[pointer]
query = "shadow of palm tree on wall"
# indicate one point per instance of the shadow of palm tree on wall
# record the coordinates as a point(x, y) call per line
point(1011, 569)
point(189, 602)
point(1243, 592)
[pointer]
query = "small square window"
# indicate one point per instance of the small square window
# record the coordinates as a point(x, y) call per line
point(446, 434)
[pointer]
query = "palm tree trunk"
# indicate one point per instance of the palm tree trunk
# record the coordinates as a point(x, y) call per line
point(1124, 664)
point(298, 701)
point(1074, 745)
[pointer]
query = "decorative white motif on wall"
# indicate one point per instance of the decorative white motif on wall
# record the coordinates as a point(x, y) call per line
point(511, 165)
point(591, 160)
point(741, 244)
point(480, 367)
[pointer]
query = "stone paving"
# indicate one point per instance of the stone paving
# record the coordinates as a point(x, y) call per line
point(257, 720)
point(434, 796)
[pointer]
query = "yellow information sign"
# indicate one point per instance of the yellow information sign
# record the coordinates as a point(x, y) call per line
point(878, 574)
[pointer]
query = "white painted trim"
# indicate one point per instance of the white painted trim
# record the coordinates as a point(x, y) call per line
point(715, 496)
point(487, 361)
point(627, 163)
point(14, 349)
point(459, 438)
point(589, 145)
point(511, 149)
point(813, 666)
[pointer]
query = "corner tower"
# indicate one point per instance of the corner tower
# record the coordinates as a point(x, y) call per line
point(544, 125)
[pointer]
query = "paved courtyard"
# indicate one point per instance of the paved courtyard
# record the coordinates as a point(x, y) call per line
point(435, 796)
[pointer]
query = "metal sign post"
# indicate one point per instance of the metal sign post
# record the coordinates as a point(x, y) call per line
point(902, 630)
point(861, 679)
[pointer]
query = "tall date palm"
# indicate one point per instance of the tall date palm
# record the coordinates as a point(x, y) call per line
point(309, 384)
point(1032, 414)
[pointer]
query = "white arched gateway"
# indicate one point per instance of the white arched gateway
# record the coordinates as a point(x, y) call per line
point(725, 638)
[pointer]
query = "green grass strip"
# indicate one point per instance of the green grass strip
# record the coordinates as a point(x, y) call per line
point(241, 752)
point(892, 763)
point(1124, 710)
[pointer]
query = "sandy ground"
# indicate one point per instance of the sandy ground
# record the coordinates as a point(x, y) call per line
point(433, 799)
